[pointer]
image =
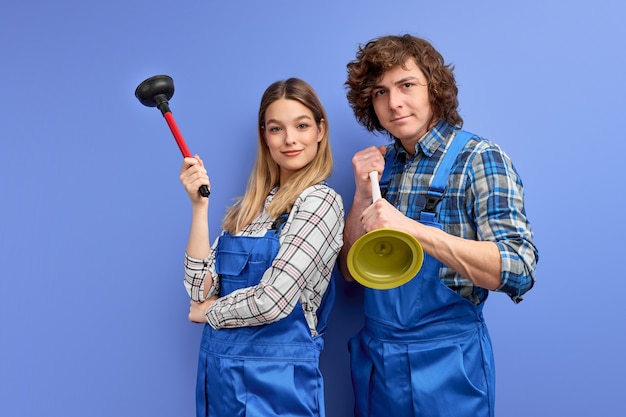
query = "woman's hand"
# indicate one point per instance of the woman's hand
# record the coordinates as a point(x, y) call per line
point(192, 176)
point(197, 311)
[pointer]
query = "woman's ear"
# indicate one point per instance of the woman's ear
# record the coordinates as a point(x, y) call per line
point(321, 128)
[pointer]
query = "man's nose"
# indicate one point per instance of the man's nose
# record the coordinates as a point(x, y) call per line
point(394, 99)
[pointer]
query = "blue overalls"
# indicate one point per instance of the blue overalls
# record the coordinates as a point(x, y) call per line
point(266, 370)
point(424, 350)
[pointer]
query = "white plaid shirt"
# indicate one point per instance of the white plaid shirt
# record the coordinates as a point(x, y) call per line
point(309, 244)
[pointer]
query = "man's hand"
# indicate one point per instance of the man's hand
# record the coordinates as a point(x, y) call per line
point(366, 161)
point(382, 214)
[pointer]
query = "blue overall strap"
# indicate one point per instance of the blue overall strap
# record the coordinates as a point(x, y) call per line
point(328, 299)
point(328, 302)
point(279, 223)
point(440, 178)
point(390, 156)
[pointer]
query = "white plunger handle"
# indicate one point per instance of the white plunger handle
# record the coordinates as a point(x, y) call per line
point(375, 187)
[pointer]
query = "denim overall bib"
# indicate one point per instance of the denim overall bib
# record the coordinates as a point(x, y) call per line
point(266, 370)
point(424, 350)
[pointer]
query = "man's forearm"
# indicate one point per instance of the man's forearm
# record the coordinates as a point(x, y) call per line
point(353, 229)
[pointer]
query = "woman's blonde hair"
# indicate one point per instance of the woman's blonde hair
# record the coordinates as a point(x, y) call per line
point(266, 173)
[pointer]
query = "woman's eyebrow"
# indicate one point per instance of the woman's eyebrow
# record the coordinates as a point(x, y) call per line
point(297, 119)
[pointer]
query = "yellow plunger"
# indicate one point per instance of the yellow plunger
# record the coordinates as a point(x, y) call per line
point(384, 258)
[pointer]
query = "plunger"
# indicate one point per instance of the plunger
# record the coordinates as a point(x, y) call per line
point(384, 258)
point(155, 92)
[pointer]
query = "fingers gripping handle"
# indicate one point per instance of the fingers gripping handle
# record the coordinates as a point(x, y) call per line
point(375, 187)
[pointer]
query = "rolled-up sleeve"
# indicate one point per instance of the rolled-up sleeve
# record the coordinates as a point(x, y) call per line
point(196, 271)
point(501, 218)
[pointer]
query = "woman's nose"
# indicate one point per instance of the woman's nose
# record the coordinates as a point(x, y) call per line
point(290, 137)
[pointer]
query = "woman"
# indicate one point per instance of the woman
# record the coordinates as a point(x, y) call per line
point(263, 286)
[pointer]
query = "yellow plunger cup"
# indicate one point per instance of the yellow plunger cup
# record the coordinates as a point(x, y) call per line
point(384, 258)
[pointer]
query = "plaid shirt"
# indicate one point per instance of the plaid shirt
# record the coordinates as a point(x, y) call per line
point(483, 200)
point(301, 271)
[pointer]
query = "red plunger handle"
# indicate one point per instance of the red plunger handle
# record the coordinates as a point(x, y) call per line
point(169, 118)
point(177, 135)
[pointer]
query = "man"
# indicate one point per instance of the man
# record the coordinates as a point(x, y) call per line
point(424, 349)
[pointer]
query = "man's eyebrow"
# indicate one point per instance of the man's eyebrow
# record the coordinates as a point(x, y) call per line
point(400, 81)
point(405, 79)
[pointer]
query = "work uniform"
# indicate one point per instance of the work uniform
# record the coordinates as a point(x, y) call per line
point(266, 370)
point(424, 350)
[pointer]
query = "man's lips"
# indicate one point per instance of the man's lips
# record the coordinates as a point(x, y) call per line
point(398, 119)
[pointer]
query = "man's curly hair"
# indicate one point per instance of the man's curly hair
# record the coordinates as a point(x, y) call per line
point(380, 55)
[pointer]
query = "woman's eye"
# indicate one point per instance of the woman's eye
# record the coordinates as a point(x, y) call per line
point(274, 129)
point(303, 126)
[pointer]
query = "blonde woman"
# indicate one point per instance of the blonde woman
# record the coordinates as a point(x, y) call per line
point(264, 289)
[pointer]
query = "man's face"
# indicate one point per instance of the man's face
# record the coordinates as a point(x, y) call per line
point(400, 100)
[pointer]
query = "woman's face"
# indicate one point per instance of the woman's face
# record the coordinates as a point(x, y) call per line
point(292, 136)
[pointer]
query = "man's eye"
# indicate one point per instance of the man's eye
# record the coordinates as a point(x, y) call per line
point(379, 92)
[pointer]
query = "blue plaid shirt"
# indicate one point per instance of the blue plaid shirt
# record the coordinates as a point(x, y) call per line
point(483, 200)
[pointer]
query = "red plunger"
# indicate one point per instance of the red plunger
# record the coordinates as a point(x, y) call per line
point(155, 92)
